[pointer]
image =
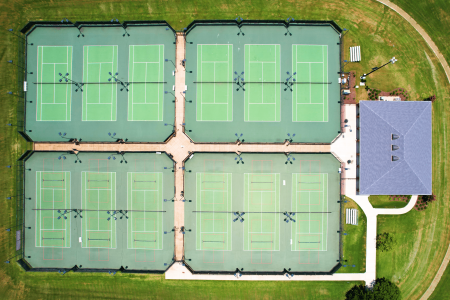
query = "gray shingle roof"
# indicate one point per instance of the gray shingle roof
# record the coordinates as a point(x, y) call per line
point(411, 174)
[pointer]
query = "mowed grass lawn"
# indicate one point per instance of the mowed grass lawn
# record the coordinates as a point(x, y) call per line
point(383, 201)
point(381, 33)
point(354, 243)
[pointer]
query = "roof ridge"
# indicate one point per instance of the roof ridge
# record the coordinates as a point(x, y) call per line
point(385, 174)
point(416, 175)
point(416, 120)
point(383, 119)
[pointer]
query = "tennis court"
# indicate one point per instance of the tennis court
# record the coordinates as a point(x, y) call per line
point(261, 82)
point(263, 215)
point(98, 196)
point(99, 94)
point(310, 94)
point(262, 196)
point(215, 87)
point(146, 94)
point(100, 82)
point(214, 201)
point(310, 198)
point(145, 224)
point(53, 98)
point(52, 200)
point(99, 213)
point(263, 92)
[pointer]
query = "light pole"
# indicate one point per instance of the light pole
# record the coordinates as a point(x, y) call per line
point(391, 61)
point(12, 31)
point(11, 62)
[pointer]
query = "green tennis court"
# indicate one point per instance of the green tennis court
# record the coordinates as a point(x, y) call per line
point(145, 222)
point(98, 201)
point(310, 93)
point(262, 202)
point(213, 211)
point(53, 99)
point(52, 203)
point(214, 82)
point(263, 89)
point(99, 94)
point(310, 201)
point(146, 74)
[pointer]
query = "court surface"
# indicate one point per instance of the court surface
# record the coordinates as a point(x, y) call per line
point(261, 82)
point(213, 223)
point(263, 215)
point(263, 92)
point(310, 198)
point(52, 200)
point(108, 83)
point(53, 98)
point(99, 213)
point(262, 198)
point(145, 224)
point(98, 196)
point(215, 87)
point(310, 94)
point(146, 92)
point(99, 94)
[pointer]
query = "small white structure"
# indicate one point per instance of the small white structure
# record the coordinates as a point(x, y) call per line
point(355, 53)
point(389, 98)
point(351, 216)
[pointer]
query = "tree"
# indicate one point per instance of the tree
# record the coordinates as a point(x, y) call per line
point(385, 242)
point(359, 292)
point(427, 198)
point(384, 289)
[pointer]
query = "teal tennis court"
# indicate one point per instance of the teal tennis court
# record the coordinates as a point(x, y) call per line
point(213, 230)
point(52, 200)
point(98, 201)
point(262, 199)
point(263, 88)
point(309, 199)
point(145, 223)
point(53, 98)
point(310, 93)
point(99, 94)
point(146, 74)
point(214, 82)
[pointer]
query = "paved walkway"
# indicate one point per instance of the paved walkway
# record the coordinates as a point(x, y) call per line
point(438, 276)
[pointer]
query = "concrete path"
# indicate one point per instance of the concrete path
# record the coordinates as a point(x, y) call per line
point(371, 215)
point(438, 276)
point(422, 32)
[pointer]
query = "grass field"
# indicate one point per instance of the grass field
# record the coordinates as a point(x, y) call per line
point(355, 242)
point(381, 34)
point(382, 201)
